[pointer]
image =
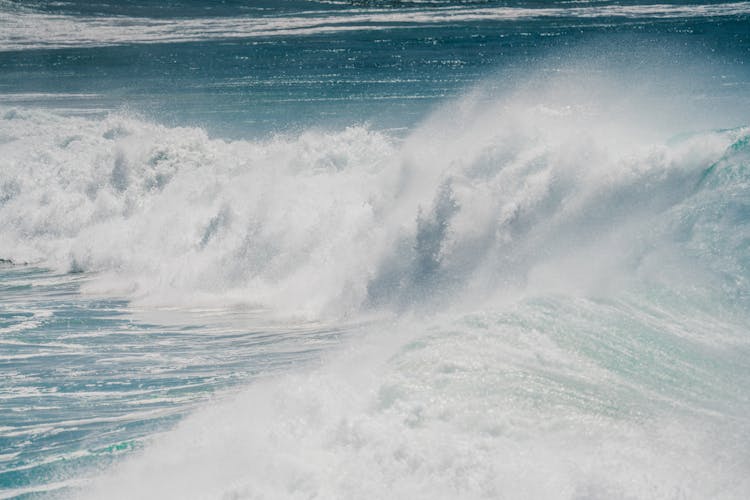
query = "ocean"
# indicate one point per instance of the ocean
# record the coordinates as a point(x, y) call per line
point(439, 249)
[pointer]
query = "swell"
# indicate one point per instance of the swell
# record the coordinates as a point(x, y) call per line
point(20, 28)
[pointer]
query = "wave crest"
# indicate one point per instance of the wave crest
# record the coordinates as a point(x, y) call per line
point(483, 200)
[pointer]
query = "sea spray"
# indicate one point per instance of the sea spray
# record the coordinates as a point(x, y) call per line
point(485, 199)
point(555, 294)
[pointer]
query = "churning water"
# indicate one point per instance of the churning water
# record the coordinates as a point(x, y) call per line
point(374, 249)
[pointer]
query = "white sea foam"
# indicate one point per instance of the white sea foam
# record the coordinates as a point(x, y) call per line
point(27, 29)
point(536, 190)
point(588, 264)
point(521, 404)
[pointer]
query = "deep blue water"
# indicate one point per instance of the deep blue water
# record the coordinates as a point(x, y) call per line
point(389, 71)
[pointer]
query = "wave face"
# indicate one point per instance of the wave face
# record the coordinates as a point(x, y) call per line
point(553, 398)
point(554, 278)
point(571, 287)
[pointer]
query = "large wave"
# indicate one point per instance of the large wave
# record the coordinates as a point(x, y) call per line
point(582, 255)
point(541, 189)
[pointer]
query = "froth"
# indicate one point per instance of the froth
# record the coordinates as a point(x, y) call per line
point(532, 403)
point(21, 24)
point(539, 190)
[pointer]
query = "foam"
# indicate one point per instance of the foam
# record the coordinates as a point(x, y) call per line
point(26, 29)
point(536, 190)
point(566, 270)
point(483, 407)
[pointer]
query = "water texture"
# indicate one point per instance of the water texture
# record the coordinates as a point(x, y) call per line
point(413, 249)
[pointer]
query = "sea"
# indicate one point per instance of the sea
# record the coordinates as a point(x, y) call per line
point(374, 249)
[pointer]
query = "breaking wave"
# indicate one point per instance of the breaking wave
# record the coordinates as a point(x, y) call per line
point(488, 198)
point(566, 274)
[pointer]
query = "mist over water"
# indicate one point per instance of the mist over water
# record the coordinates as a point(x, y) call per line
point(534, 285)
point(570, 180)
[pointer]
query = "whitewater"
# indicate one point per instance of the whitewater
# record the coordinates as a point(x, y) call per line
point(524, 282)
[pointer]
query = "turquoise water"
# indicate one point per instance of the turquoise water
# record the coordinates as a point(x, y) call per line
point(86, 379)
point(374, 249)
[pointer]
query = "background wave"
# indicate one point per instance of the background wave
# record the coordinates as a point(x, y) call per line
point(24, 28)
